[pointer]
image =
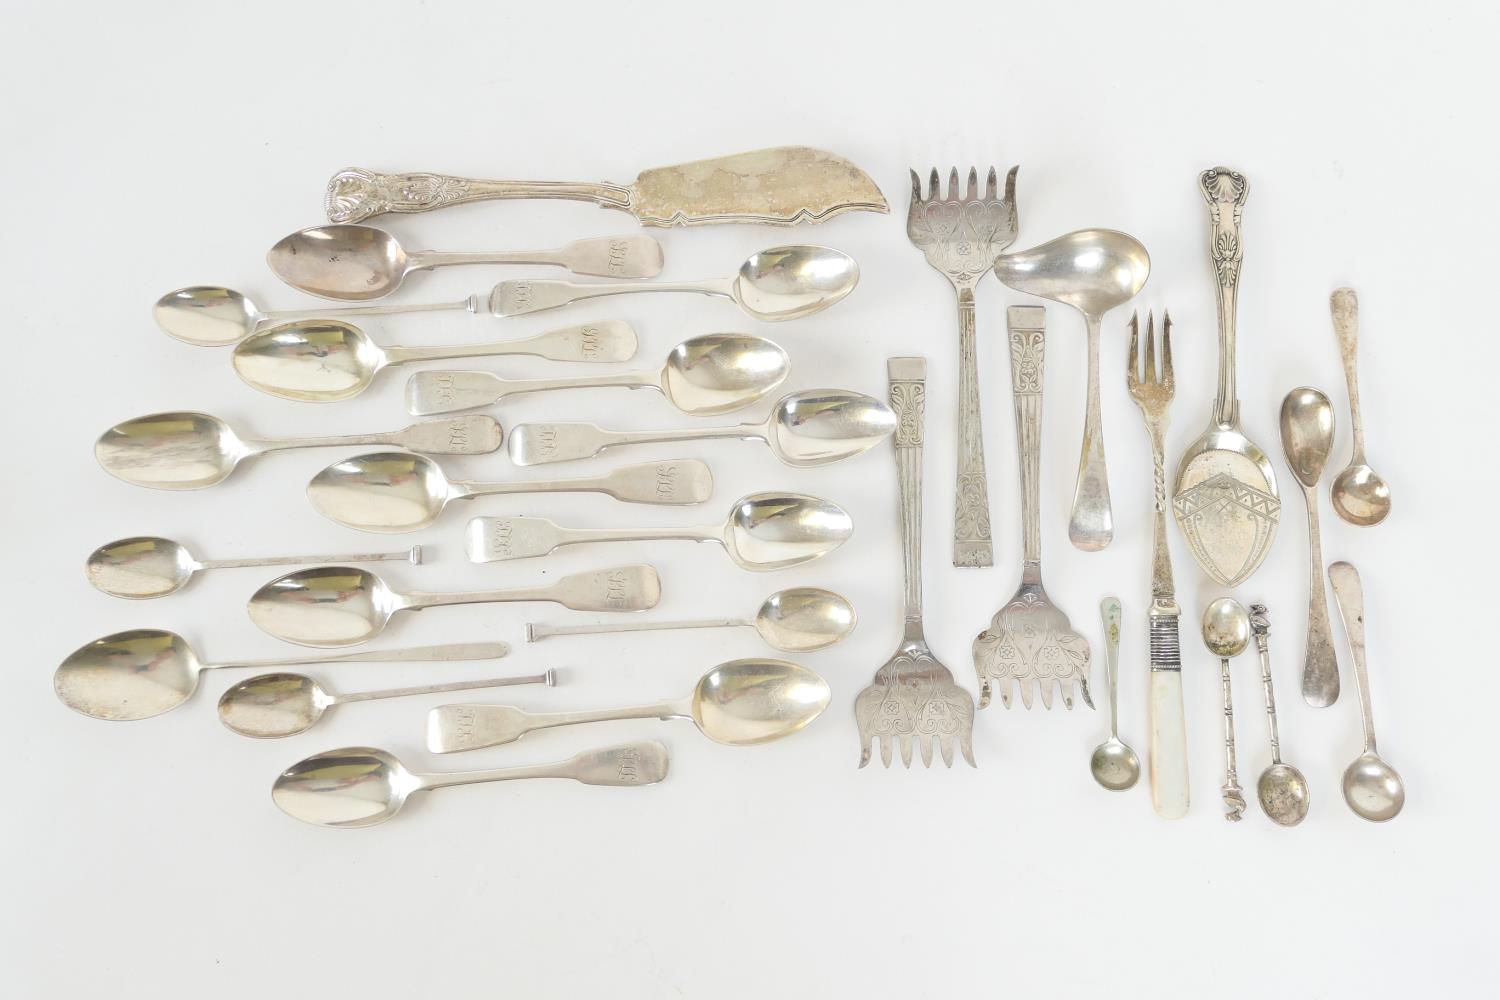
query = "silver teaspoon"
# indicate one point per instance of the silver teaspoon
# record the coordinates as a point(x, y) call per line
point(1306, 440)
point(1226, 633)
point(271, 706)
point(1359, 495)
point(145, 566)
point(364, 262)
point(1372, 788)
point(1282, 789)
point(1114, 765)
point(362, 786)
point(214, 316)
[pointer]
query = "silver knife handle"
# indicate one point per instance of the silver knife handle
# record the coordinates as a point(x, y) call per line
point(1225, 191)
point(971, 499)
point(357, 194)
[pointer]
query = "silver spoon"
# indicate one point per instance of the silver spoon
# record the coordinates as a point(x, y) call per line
point(363, 262)
point(214, 316)
point(740, 703)
point(1372, 787)
point(146, 566)
point(1359, 495)
point(322, 360)
point(764, 531)
point(362, 786)
point(1226, 633)
point(1282, 789)
point(190, 451)
point(807, 428)
point(341, 605)
point(1092, 270)
point(146, 671)
point(713, 373)
point(795, 620)
point(1113, 764)
point(271, 706)
point(1306, 440)
point(395, 491)
point(776, 284)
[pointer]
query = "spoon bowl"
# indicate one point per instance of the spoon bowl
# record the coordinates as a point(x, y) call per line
point(341, 261)
point(790, 282)
point(804, 619)
point(129, 675)
point(1226, 628)
point(1307, 434)
point(1114, 765)
point(1360, 496)
point(274, 705)
point(360, 786)
point(1283, 794)
point(141, 568)
point(1373, 789)
point(310, 360)
point(177, 451)
point(327, 606)
point(722, 372)
point(747, 702)
point(1092, 270)
point(771, 531)
point(385, 491)
point(816, 427)
point(206, 315)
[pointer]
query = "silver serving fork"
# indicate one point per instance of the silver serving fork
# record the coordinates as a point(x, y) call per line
point(913, 696)
point(962, 235)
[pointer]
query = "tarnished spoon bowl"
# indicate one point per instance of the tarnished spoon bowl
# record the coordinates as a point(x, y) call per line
point(803, 619)
point(1114, 765)
point(141, 567)
point(1284, 795)
point(129, 675)
point(206, 315)
point(341, 262)
point(816, 427)
point(789, 282)
point(359, 786)
point(770, 531)
point(745, 702)
point(1360, 496)
point(1373, 789)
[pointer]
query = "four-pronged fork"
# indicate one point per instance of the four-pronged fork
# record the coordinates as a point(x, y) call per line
point(962, 235)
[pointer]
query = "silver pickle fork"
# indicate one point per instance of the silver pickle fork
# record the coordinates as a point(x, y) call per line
point(913, 697)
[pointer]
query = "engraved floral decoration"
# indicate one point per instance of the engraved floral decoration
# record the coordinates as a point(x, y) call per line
point(1030, 640)
point(913, 699)
point(962, 235)
point(356, 194)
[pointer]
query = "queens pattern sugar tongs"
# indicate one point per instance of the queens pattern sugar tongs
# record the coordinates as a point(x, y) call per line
point(962, 235)
point(1030, 639)
point(913, 697)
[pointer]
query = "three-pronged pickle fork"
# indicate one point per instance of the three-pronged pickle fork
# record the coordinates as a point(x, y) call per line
point(1029, 640)
point(962, 235)
point(913, 698)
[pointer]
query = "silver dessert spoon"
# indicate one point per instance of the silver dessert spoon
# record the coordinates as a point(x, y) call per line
point(145, 566)
point(739, 703)
point(764, 531)
point(795, 620)
point(364, 262)
point(147, 671)
point(776, 284)
point(363, 786)
point(1092, 270)
point(807, 428)
point(1226, 633)
point(1306, 440)
point(1359, 495)
point(322, 360)
point(271, 706)
point(191, 451)
point(395, 491)
point(1372, 788)
point(215, 316)
point(1113, 764)
point(713, 373)
point(341, 605)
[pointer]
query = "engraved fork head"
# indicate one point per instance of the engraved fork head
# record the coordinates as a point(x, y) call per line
point(962, 234)
point(1152, 389)
point(1030, 644)
point(913, 700)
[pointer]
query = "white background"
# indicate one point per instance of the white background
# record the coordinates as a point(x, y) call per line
point(153, 145)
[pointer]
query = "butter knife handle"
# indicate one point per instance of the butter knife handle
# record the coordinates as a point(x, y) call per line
point(1168, 755)
point(357, 194)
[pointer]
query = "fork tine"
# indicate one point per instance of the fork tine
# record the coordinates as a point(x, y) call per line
point(1133, 369)
point(1010, 189)
point(885, 749)
point(1025, 686)
point(1149, 375)
point(906, 749)
point(924, 743)
point(864, 749)
point(1045, 687)
point(990, 185)
point(953, 184)
point(966, 745)
point(916, 187)
point(973, 184)
point(1166, 351)
point(934, 186)
point(945, 747)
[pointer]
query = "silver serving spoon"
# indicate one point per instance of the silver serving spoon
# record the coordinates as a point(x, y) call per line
point(1372, 787)
point(1306, 440)
point(395, 491)
point(795, 620)
point(362, 786)
point(271, 706)
point(740, 703)
point(807, 428)
point(190, 451)
point(764, 531)
point(1092, 270)
point(146, 566)
point(322, 360)
point(214, 316)
point(363, 262)
point(1359, 495)
point(713, 373)
point(776, 284)
point(147, 671)
point(1113, 764)
point(1226, 633)
point(341, 605)
point(1282, 789)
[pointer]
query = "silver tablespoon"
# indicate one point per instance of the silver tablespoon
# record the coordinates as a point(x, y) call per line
point(395, 491)
point(1113, 764)
point(271, 706)
point(776, 284)
point(807, 428)
point(342, 605)
point(1372, 787)
point(191, 451)
point(214, 316)
point(1092, 270)
point(710, 374)
point(145, 566)
point(795, 620)
point(147, 671)
point(740, 703)
point(364, 262)
point(764, 531)
point(1282, 789)
point(1226, 633)
point(1306, 440)
point(1359, 495)
point(363, 786)
point(322, 360)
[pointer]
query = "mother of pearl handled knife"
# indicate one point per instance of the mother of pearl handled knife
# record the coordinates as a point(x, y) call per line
point(780, 186)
